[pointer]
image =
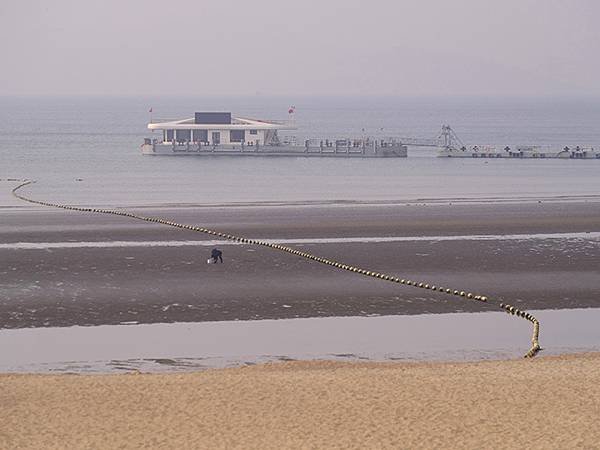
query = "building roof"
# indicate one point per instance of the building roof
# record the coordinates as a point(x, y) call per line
point(237, 123)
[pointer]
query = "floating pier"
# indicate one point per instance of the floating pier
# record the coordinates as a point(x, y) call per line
point(220, 134)
point(520, 152)
point(368, 148)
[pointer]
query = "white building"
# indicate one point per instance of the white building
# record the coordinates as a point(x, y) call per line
point(217, 133)
point(219, 128)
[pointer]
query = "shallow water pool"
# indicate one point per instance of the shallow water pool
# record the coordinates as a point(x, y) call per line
point(194, 346)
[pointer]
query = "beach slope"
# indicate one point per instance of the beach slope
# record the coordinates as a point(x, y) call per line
point(548, 402)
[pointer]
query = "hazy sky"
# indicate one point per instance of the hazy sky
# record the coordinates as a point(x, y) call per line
point(338, 47)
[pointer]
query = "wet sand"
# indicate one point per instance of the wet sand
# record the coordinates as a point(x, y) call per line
point(549, 402)
point(93, 286)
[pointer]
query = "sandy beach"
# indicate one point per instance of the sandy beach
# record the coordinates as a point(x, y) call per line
point(548, 402)
point(305, 225)
point(89, 269)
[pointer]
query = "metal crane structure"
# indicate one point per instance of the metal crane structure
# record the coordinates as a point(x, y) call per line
point(447, 139)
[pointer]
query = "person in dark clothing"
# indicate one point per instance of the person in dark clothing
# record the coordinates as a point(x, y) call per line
point(216, 255)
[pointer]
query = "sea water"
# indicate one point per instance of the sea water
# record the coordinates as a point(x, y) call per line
point(193, 346)
point(86, 150)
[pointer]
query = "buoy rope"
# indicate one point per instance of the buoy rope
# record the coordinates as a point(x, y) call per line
point(535, 346)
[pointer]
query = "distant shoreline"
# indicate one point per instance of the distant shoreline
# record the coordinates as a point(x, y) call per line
point(591, 198)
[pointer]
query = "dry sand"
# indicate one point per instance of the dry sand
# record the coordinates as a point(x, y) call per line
point(551, 402)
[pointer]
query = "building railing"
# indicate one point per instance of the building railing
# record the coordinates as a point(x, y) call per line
point(164, 119)
point(339, 146)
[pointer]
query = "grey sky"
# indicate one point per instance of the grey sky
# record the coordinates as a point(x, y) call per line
point(426, 47)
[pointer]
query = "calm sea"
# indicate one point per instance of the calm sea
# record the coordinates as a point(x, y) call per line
point(58, 140)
